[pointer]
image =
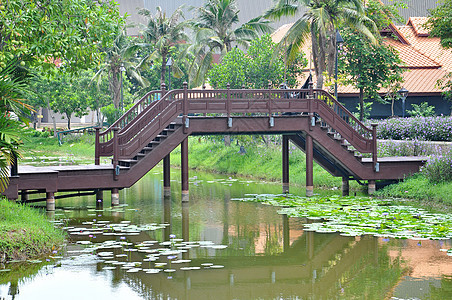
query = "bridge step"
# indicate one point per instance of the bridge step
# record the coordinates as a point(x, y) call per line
point(150, 147)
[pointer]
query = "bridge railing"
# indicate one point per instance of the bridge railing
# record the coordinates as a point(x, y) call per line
point(148, 118)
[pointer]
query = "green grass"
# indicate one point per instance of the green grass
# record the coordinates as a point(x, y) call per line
point(25, 232)
point(80, 149)
point(418, 187)
point(259, 161)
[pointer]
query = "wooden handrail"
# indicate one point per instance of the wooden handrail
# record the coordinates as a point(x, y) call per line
point(153, 119)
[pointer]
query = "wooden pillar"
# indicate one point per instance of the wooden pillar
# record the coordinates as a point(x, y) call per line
point(114, 197)
point(285, 163)
point(166, 176)
point(184, 171)
point(345, 186)
point(309, 166)
point(50, 201)
point(24, 196)
point(14, 166)
point(99, 199)
point(371, 187)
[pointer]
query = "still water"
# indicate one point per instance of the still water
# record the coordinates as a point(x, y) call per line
point(155, 247)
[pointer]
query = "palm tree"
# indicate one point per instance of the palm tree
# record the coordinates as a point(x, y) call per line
point(320, 21)
point(162, 36)
point(13, 88)
point(119, 58)
point(215, 34)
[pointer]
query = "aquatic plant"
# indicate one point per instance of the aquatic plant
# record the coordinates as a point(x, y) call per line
point(354, 216)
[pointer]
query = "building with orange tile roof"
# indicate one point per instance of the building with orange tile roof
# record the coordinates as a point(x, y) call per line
point(424, 63)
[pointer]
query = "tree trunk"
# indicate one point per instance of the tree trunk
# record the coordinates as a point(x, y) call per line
point(99, 117)
point(115, 87)
point(392, 106)
point(331, 51)
point(53, 118)
point(319, 55)
point(361, 104)
point(163, 70)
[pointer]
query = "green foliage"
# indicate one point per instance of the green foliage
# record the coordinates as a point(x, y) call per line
point(446, 85)
point(357, 216)
point(162, 38)
point(422, 110)
point(419, 187)
point(369, 67)
point(120, 58)
point(385, 14)
point(25, 233)
point(232, 70)
point(256, 68)
point(440, 23)
point(439, 167)
point(259, 161)
point(216, 31)
point(367, 108)
point(70, 30)
point(319, 20)
point(13, 87)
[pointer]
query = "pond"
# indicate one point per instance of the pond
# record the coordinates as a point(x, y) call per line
point(155, 247)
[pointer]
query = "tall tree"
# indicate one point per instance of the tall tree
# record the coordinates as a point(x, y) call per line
point(372, 67)
point(14, 81)
point(162, 36)
point(57, 30)
point(319, 22)
point(120, 57)
point(440, 25)
point(216, 33)
point(369, 67)
point(256, 68)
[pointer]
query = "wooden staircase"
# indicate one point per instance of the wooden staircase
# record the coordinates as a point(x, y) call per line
point(154, 144)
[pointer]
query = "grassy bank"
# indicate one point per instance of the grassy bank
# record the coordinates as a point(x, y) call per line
point(25, 232)
point(259, 161)
point(418, 187)
point(80, 149)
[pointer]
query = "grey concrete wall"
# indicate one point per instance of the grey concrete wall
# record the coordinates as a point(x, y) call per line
point(248, 9)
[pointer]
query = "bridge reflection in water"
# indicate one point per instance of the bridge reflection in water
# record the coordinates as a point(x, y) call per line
point(267, 260)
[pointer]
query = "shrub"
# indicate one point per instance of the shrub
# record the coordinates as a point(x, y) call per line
point(422, 110)
point(406, 148)
point(421, 128)
point(439, 167)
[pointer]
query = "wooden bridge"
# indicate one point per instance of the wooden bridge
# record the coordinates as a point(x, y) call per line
point(146, 134)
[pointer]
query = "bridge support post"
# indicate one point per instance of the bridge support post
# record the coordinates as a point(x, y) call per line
point(166, 176)
point(309, 166)
point(99, 199)
point(50, 201)
point(184, 171)
point(345, 186)
point(114, 197)
point(372, 187)
point(285, 163)
point(24, 196)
